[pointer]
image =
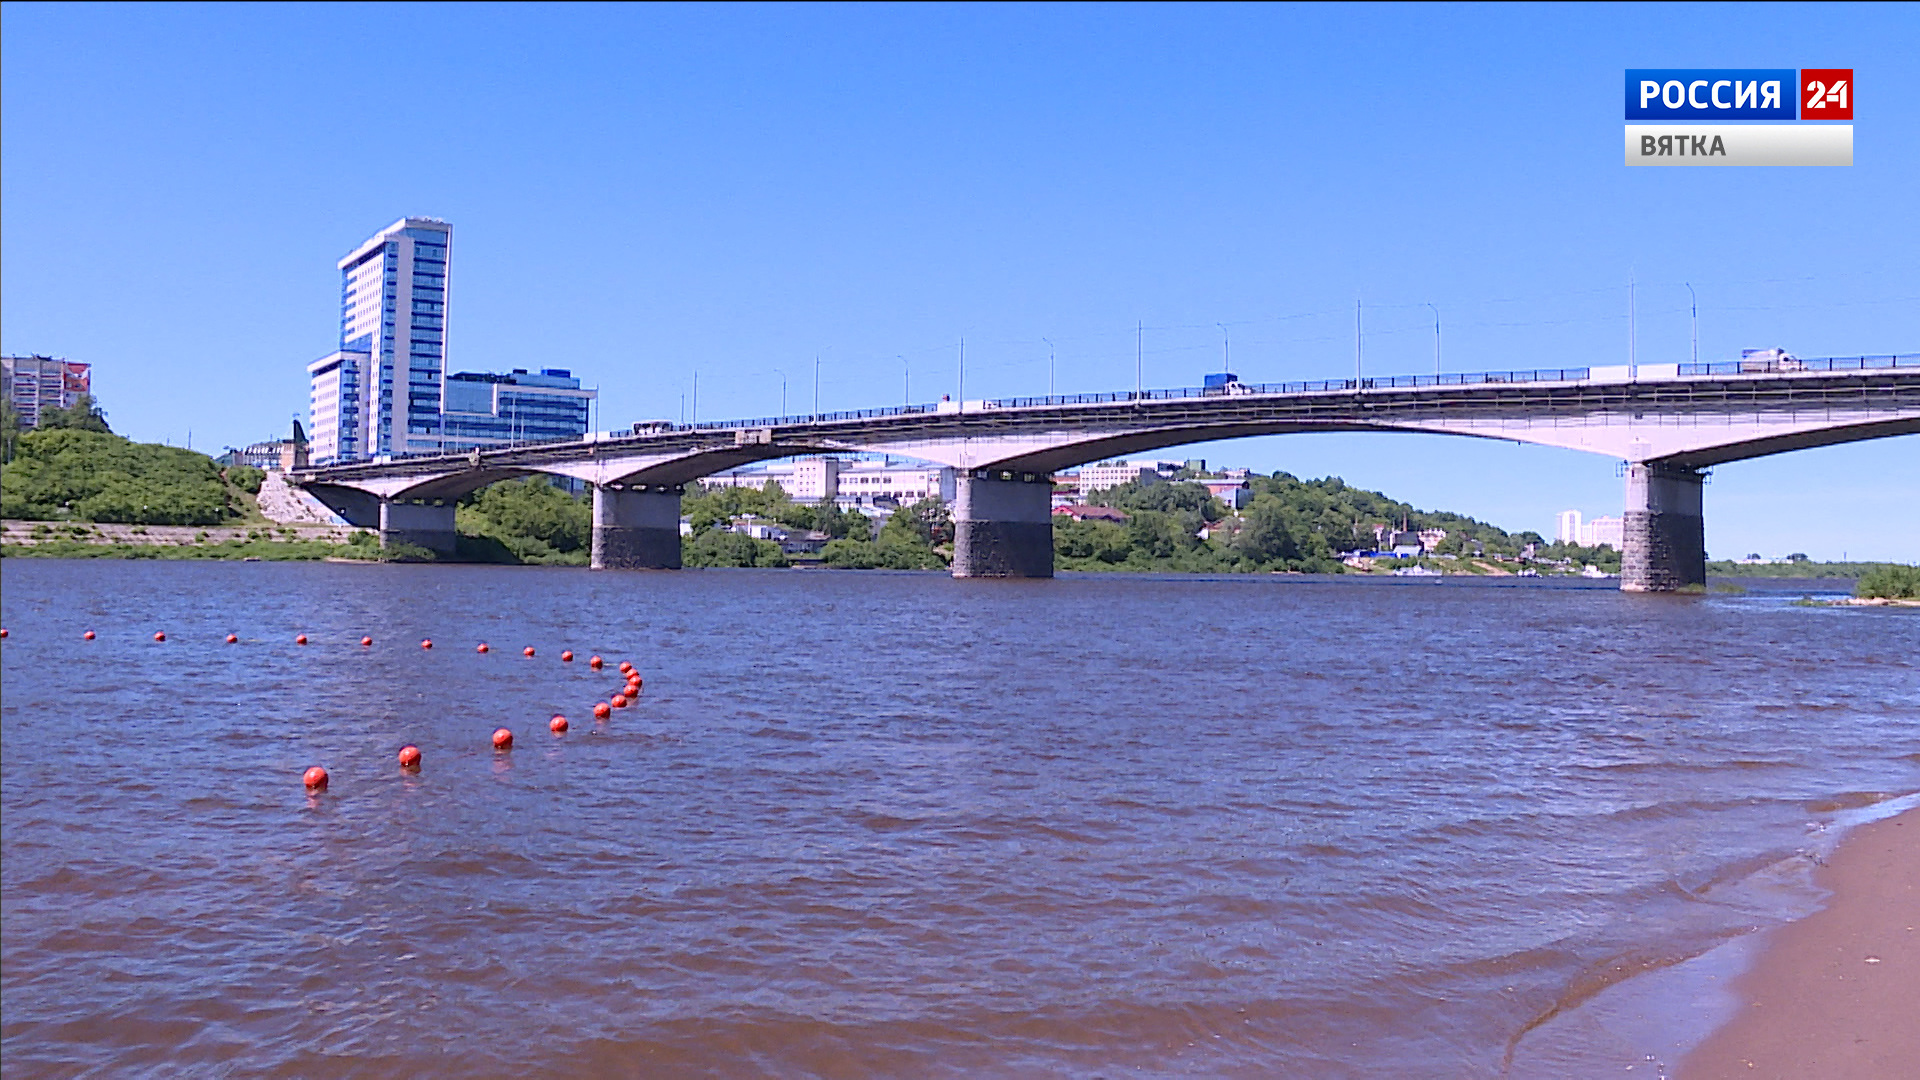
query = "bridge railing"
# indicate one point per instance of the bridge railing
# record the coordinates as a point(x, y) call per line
point(1770, 366)
point(1789, 364)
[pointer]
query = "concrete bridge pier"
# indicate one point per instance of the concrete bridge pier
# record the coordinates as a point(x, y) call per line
point(1665, 540)
point(1003, 525)
point(636, 527)
point(427, 524)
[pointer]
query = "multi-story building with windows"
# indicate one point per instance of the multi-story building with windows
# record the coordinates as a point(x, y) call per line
point(380, 394)
point(386, 391)
point(485, 410)
point(870, 484)
point(32, 383)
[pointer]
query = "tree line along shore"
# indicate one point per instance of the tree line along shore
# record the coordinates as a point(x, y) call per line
point(73, 489)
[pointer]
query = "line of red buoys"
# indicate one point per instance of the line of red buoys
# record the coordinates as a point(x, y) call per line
point(316, 778)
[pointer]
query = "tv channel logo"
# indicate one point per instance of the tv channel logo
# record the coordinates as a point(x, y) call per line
point(1671, 97)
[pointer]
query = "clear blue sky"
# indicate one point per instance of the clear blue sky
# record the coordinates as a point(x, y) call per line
point(640, 192)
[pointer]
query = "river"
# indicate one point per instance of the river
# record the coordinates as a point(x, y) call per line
point(892, 824)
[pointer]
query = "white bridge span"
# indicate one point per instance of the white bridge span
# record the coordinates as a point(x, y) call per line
point(1668, 423)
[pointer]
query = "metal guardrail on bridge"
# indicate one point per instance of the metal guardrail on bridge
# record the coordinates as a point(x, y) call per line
point(1480, 378)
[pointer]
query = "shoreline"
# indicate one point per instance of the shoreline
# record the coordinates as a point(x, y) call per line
point(1831, 994)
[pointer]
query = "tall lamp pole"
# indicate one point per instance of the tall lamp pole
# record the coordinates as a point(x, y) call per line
point(783, 390)
point(1436, 339)
point(1139, 358)
point(1356, 343)
point(906, 381)
point(1049, 367)
point(1226, 347)
point(1695, 305)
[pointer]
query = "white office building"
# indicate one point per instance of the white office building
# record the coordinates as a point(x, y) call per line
point(1568, 531)
point(1111, 474)
point(883, 483)
point(381, 392)
point(848, 483)
point(1603, 530)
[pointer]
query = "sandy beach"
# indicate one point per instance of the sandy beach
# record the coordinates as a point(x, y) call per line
point(1837, 994)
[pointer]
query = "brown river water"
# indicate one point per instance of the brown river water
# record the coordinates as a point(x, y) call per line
point(891, 824)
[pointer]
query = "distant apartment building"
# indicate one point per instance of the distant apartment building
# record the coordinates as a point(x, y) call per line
point(876, 483)
point(1603, 530)
point(1568, 531)
point(380, 393)
point(32, 383)
point(484, 410)
point(1111, 474)
point(848, 484)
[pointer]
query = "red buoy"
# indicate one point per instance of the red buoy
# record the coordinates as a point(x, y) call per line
point(596, 663)
point(635, 681)
point(625, 667)
point(528, 650)
point(482, 647)
point(366, 641)
point(301, 640)
point(315, 778)
point(3, 631)
point(566, 657)
point(557, 725)
point(502, 739)
point(410, 756)
point(602, 711)
point(161, 635)
point(426, 643)
point(231, 638)
point(88, 635)
point(619, 701)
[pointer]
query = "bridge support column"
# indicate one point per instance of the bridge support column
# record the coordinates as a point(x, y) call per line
point(1003, 525)
point(422, 524)
point(636, 528)
point(1665, 540)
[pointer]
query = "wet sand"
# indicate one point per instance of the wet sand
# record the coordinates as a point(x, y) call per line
point(1837, 994)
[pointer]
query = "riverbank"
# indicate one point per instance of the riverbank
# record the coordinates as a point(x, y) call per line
point(1833, 994)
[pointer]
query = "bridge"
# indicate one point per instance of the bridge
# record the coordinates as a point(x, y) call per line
point(1669, 423)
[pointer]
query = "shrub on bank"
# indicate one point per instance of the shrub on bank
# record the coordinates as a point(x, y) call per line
point(714, 547)
point(68, 474)
point(1889, 583)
